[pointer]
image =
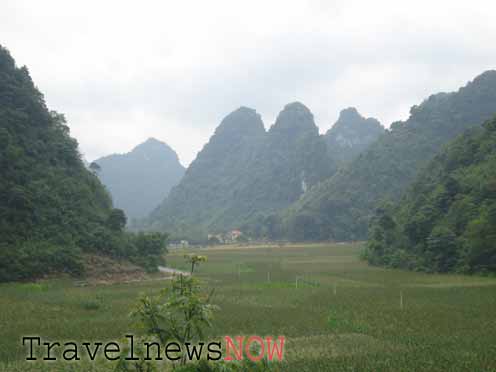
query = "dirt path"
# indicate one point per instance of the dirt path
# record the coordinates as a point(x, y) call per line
point(169, 270)
point(129, 277)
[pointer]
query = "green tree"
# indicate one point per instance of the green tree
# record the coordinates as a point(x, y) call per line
point(117, 220)
point(180, 313)
point(442, 249)
point(447, 219)
point(52, 209)
point(95, 168)
point(480, 248)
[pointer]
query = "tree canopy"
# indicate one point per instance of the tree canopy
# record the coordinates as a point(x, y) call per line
point(51, 207)
point(341, 206)
point(447, 219)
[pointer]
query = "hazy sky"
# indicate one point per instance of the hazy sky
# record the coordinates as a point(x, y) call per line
point(123, 71)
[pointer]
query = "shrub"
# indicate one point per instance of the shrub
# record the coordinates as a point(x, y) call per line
point(33, 259)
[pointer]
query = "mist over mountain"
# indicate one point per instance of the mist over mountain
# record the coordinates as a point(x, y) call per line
point(290, 161)
point(351, 135)
point(235, 186)
point(340, 207)
point(140, 179)
point(213, 179)
point(244, 173)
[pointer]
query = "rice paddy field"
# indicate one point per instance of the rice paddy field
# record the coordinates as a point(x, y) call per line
point(336, 312)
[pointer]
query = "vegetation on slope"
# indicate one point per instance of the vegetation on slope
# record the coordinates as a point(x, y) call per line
point(447, 219)
point(340, 208)
point(244, 176)
point(212, 180)
point(51, 206)
point(292, 159)
point(245, 173)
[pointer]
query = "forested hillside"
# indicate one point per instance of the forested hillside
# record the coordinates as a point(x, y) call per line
point(447, 219)
point(213, 179)
point(51, 207)
point(140, 179)
point(351, 135)
point(340, 208)
point(244, 173)
point(292, 159)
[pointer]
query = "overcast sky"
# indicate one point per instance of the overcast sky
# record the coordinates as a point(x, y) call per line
point(123, 71)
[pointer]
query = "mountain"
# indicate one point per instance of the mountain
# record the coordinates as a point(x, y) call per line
point(51, 207)
point(340, 207)
point(210, 183)
point(141, 179)
point(447, 219)
point(292, 159)
point(244, 173)
point(351, 135)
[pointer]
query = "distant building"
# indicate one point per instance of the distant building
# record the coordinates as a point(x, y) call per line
point(234, 235)
point(178, 244)
point(216, 238)
point(229, 237)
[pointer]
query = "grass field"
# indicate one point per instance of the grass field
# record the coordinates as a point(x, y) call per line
point(336, 312)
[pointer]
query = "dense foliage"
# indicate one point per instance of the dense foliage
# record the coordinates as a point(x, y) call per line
point(51, 207)
point(340, 208)
point(447, 219)
point(141, 179)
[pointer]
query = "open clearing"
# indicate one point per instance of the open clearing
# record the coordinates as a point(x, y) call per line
point(337, 312)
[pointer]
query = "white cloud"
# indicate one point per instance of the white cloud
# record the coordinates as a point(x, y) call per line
point(123, 71)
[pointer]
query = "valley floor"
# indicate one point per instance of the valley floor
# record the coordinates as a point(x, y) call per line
point(336, 312)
